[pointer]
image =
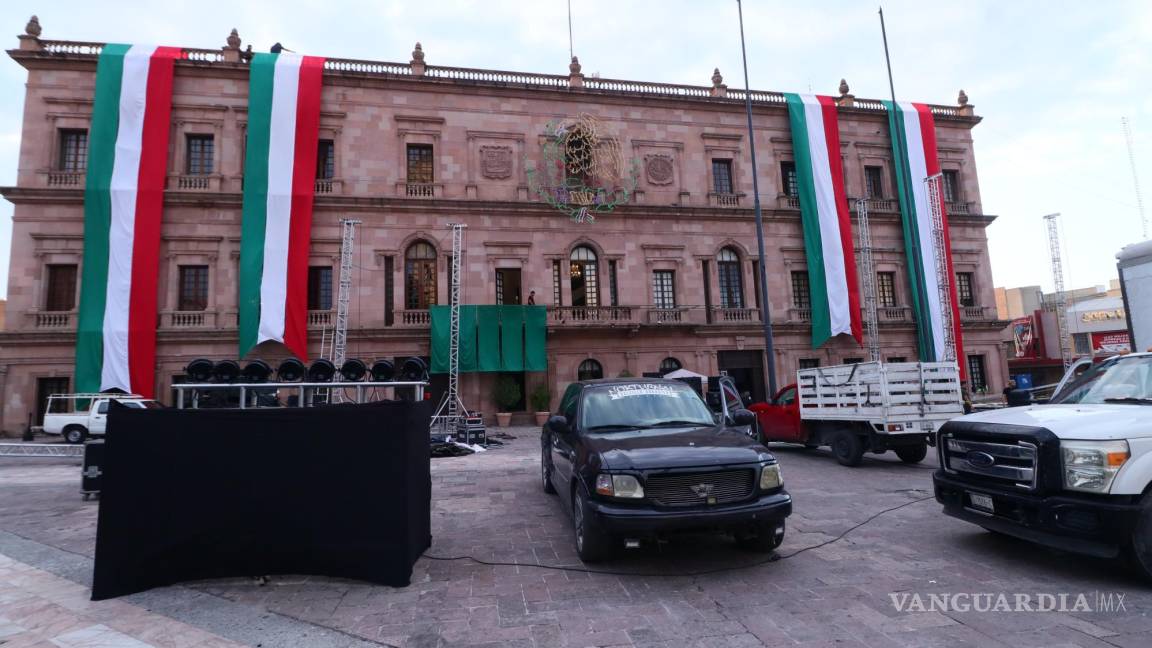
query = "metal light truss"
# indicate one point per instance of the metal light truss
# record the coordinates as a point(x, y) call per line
point(1058, 281)
point(40, 450)
point(868, 279)
point(451, 410)
point(344, 297)
point(940, 260)
point(365, 391)
point(1135, 177)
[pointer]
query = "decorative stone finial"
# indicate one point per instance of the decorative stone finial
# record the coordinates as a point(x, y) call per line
point(234, 40)
point(33, 27)
point(418, 54)
point(962, 99)
point(574, 66)
point(846, 99)
point(843, 87)
point(717, 79)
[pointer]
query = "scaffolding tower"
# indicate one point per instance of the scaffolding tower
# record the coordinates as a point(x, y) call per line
point(1058, 281)
point(451, 410)
point(940, 260)
point(344, 296)
point(868, 279)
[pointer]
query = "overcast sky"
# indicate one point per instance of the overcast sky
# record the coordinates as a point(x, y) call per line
point(1051, 79)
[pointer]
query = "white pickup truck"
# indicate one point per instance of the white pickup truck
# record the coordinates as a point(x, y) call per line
point(78, 416)
point(1074, 474)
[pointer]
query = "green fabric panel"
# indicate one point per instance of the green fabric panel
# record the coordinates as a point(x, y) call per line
point(535, 355)
point(512, 338)
point(488, 329)
point(467, 339)
point(810, 217)
point(98, 217)
point(441, 317)
point(254, 210)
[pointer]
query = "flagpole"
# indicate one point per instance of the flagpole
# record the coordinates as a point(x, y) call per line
point(765, 314)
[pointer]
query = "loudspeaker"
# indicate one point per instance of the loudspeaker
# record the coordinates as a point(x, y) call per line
point(199, 370)
point(226, 371)
point(414, 369)
point(321, 371)
point(383, 370)
point(291, 370)
point(256, 371)
point(353, 370)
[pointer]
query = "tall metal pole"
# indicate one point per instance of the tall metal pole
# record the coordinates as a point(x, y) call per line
point(765, 311)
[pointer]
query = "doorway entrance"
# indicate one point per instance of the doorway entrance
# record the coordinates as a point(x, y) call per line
point(508, 286)
point(747, 371)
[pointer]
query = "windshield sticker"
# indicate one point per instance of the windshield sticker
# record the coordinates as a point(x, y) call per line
point(616, 392)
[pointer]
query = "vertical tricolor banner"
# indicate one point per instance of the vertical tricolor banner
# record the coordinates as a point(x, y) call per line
point(279, 182)
point(914, 151)
point(123, 203)
point(832, 280)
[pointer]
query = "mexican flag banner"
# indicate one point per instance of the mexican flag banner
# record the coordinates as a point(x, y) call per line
point(834, 291)
point(914, 151)
point(279, 182)
point(123, 203)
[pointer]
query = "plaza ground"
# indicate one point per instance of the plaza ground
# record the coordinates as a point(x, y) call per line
point(490, 506)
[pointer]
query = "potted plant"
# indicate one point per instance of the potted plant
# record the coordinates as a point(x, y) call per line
point(541, 398)
point(506, 394)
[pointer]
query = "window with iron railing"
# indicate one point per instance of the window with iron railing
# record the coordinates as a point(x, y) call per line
point(668, 365)
point(556, 272)
point(583, 271)
point(788, 179)
point(977, 377)
point(419, 276)
point(589, 370)
point(199, 150)
point(326, 160)
point(420, 165)
point(722, 176)
point(73, 150)
point(886, 289)
point(964, 289)
point(731, 279)
point(951, 182)
point(874, 181)
point(320, 288)
point(809, 363)
point(192, 294)
point(663, 288)
point(801, 290)
point(613, 295)
point(61, 288)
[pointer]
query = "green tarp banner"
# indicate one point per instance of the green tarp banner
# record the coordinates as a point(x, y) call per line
point(488, 324)
point(467, 338)
point(535, 322)
point(441, 324)
point(511, 338)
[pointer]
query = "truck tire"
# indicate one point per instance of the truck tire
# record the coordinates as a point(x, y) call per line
point(75, 433)
point(764, 539)
point(1140, 549)
point(592, 544)
point(546, 473)
point(847, 447)
point(912, 454)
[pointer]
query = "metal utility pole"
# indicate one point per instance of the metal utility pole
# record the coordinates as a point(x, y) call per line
point(940, 260)
point(451, 408)
point(1135, 177)
point(344, 296)
point(1058, 280)
point(868, 278)
point(765, 311)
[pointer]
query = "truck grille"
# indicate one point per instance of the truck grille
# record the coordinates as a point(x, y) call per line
point(701, 488)
point(1008, 462)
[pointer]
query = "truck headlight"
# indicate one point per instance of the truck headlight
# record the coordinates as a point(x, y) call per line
point(625, 486)
point(770, 477)
point(1092, 465)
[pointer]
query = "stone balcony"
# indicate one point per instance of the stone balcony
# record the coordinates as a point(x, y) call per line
point(201, 319)
point(321, 318)
point(64, 179)
point(977, 314)
point(634, 316)
point(724, 199)
point(413, 318)
point(52, 320)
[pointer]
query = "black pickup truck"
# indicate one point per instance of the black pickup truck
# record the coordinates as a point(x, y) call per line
point(633, 459)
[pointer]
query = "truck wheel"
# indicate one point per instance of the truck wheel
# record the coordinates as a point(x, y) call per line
point(546, 473)
point(764, 539)
point(912, 454)
point(75, 434)
point(592, 544)
point(1140, 550)
point(847, 447)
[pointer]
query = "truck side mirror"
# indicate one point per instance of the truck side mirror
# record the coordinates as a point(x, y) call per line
point(742, 417)
point(558, 425)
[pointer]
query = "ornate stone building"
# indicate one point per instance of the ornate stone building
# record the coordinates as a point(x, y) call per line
point(668, 279)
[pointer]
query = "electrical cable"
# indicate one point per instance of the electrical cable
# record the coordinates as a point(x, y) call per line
point(774, 557)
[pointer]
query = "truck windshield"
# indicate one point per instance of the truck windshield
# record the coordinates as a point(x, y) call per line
point(1121, 380)
point(642, 405)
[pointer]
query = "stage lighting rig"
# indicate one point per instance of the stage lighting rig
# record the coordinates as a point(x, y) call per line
point(290, 370)
point(353, 370)
point(321, 371)
point(383, 371)
point(199, 370)
point(256, 371)
point(226, 371)
point(414, 369)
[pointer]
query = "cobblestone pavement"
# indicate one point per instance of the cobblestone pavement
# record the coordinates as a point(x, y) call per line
point(490, 506)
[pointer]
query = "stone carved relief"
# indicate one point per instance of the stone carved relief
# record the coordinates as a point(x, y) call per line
point(496, 162)
point(658, 169)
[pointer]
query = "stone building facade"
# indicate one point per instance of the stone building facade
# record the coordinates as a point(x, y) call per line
point(670, 278)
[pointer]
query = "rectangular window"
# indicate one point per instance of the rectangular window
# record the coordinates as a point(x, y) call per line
point(320, 288)
point(964, 289)
point(61, 292)
point(613, 296)
point(788, 178)
point(951, 185)
point(73, 150)
point(193, 291)
point(801, 294)
point(556, 284)
point(1082, 343)
point(874, 181)
point(809, 363)
point(886, 289)
point(420, 164)
point(389, 289)
point(663, 289)
point(326, 160)
point(976, 374)
point(706, 269)
point(722, 176)
point(199, 149)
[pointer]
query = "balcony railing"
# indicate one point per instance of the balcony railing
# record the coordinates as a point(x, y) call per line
point(977, 313)
point(65, 178)
point(789, 202)
point(958, 207)
point(193, 182)
point(590, 315)
point(893, 314)
point(880, 205)
point(724, 199)
point(188, 319)
point(323, 185)
point(668, 315)
point(799, 314)
point(61, 320)
point(413, 318)
point(320, 318)
point(722, 315)
point(419, 190)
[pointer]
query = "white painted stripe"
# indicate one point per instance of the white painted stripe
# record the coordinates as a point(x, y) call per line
point(123, 190)
point(840, 315)
point(914, 140)
point(281, 161)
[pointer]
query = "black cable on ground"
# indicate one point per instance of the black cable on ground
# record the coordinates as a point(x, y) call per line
point(772, 558)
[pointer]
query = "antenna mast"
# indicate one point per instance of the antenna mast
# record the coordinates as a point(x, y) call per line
point(1058, 280)
point(1135, 178)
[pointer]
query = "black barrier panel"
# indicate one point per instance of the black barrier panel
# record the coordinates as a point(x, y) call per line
point(342, 491)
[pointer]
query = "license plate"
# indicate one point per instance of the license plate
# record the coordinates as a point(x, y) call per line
point(982, 502)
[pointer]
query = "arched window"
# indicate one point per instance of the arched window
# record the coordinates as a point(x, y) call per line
point(419, 276)
point(668, 365)
point(731, 279)
point(584, 276)
point(589, 370)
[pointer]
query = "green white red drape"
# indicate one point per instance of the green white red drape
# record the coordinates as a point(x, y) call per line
point(123, 204)
point(279, 182)
point(914, 151)
point(835, 296)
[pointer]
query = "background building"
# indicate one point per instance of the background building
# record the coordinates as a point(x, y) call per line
point(668, 280)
